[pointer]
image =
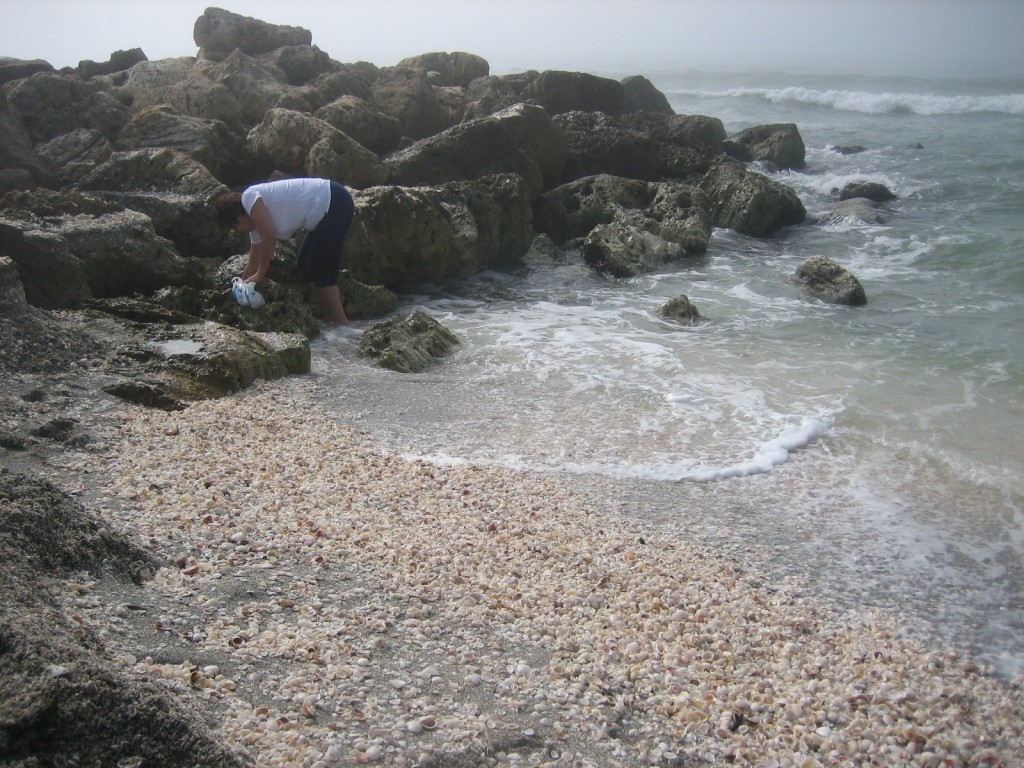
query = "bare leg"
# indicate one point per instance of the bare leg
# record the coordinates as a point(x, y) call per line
point(330, 304)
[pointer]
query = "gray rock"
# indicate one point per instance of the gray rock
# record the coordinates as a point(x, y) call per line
point(218, 32)
point(634, 146)
point(522, 139)
point(640, 95)
point(856, 208)
point(76, 154)
point(181, 83)
point(407, 94)
point(748, 202)
point(13, 303)
point(407, 344)
point(363, 122)
point(872, 190)
point(49, 105)
point(22, 167)
point(681, 310)
point(457, 69)
point(300, 64)
point(257, 86)
point(779, 144)
point(118, 62)
point(302, 145)
point(560, 92)
point(171, 188)
point(671, 211)
point(206, 141)
point(830, 282)
point(404, 236)
point(18, 69)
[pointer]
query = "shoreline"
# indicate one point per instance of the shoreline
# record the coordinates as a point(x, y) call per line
point(327, 602)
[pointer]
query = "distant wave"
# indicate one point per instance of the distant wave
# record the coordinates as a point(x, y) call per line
point(875, 103)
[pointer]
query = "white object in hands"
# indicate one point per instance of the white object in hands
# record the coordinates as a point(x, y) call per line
point(245, 293)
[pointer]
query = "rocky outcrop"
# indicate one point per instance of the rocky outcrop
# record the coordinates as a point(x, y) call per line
point(407, 344)
point(749, 202)
point(830, 282)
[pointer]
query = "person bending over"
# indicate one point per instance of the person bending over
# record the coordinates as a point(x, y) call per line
point(278, 209)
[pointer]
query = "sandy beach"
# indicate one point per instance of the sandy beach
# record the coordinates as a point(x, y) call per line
point(326, 603)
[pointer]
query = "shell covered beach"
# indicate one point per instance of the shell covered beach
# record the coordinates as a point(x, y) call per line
point(325, 603)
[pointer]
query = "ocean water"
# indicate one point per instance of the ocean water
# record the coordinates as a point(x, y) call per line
point(872, 456)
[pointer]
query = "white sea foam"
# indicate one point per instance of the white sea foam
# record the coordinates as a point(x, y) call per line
point(871, 103)
point(769, 455)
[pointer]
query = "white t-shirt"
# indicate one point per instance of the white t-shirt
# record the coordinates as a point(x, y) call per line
point(293, 204)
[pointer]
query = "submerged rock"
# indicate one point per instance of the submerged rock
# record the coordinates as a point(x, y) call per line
point(829, 281)
point(681, 310)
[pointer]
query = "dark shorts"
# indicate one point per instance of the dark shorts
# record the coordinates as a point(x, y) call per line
point(319, 255)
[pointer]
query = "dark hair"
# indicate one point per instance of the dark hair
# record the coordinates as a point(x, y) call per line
point(227, 209)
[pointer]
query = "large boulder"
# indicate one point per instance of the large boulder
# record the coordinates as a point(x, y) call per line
point(179, 83)
point(74, 155)
point(49, 104)
point(487, 95)
point(171, 188)
point(92, 250)
point(362, 121)
point(628, 226)
point(208, 142)
point(449, 69)
point(302, 145)
point(779, 144)
point(118, 62)
point(829, 281)
point(257, 86)
point(218, 33)
point(601, 144)
point(749, 202)
point(640, 95)
point(403, 236)
point(407, 94)
point(700, 133)
point(301, 64)
point(678, 212)
point(20, 166)
point(522, 140)
point(19, 69)
point(560, 92)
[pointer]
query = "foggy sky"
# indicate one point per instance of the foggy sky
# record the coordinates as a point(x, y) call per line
point(942, 38)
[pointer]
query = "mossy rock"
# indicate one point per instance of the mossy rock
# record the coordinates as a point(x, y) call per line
point(408, 344)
